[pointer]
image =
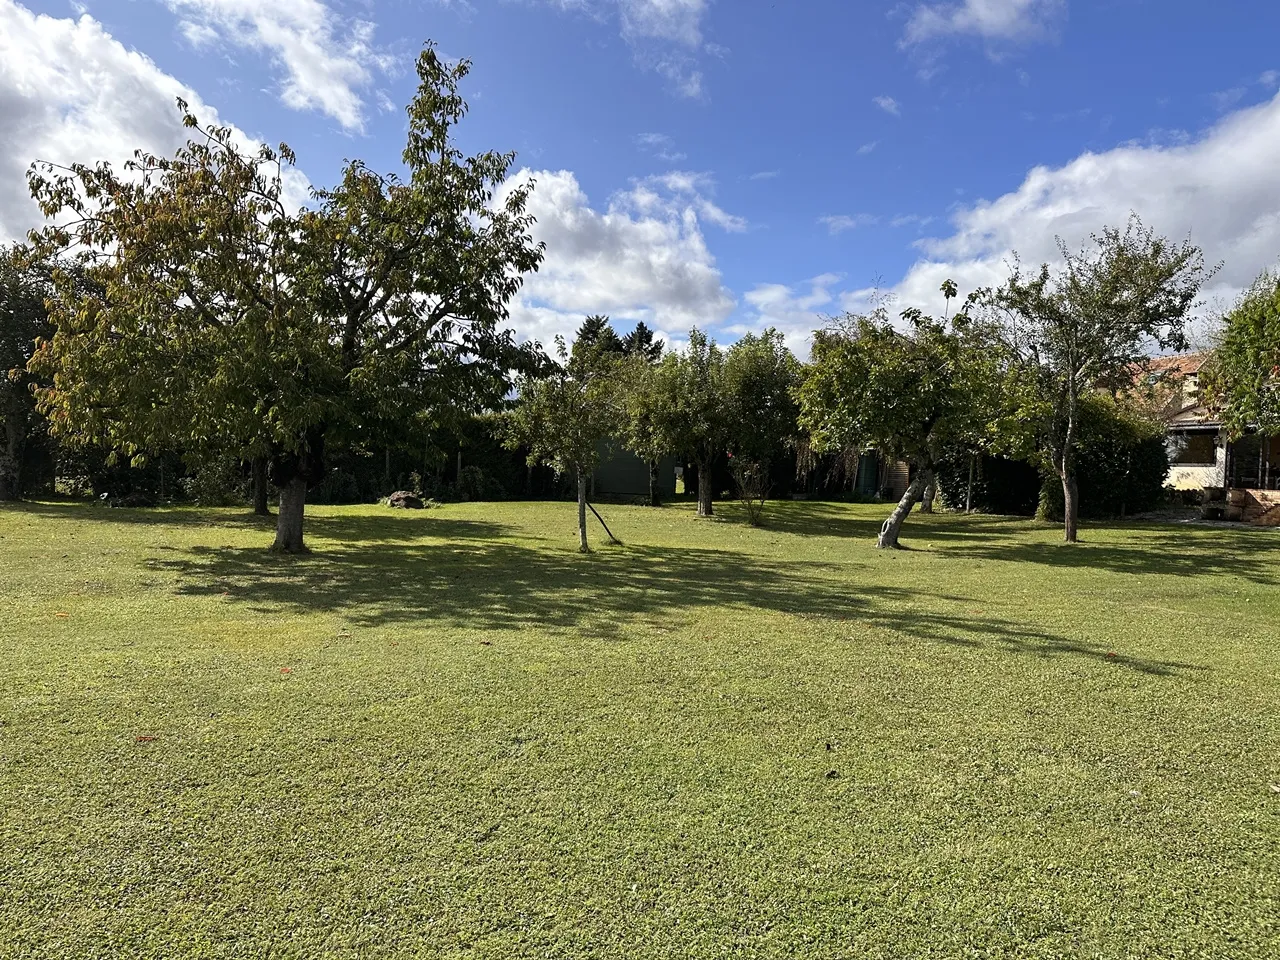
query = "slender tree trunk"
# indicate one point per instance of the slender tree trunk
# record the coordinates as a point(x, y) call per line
point(888, 539)
point(705, 506)
point(968, 495)
point(260, 487)
point(1070, 499)
point(1070, 504)
point(582, 512)
point(930, 492)
point(655, 497)
point(293, 499)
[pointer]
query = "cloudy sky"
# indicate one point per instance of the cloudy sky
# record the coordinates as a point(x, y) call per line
point(733, 164)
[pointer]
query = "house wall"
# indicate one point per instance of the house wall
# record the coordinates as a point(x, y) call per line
point(622, 474)
point(1186, 476)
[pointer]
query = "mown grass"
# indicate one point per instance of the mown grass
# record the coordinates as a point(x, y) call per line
point(449, 735)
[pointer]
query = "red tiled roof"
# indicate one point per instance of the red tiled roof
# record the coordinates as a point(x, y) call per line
point(1182, 365)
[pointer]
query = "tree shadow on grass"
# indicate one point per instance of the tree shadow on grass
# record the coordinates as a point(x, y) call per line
point(1143, 549)
point(816, 518)
point(479, 581)
point(92, 511)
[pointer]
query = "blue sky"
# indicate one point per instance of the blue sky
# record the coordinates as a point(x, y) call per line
point(731, 163)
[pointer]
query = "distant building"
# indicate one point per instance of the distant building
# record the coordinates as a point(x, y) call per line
point(1244, 471)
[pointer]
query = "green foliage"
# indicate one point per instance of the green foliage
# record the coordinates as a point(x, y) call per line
point(690, 401)
point(562, 419)
point(1000, 485)
point(761, 377)
point(1122, 463)
point(24, 321)
point(221, 323)
point(219, 483)
point(914, 395)
point(642, 342)
point(1243, 376)
point(595, 342)
point(1092, 325)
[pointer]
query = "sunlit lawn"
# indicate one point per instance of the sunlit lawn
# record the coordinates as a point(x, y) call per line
point(446, 734)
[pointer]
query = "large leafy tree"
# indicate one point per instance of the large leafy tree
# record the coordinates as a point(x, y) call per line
point(23, 322)
point(563, 418)
point(228, 325)
point(1093, 323)
point(760, 379)
point(1243, 376)
point(690, 409)
point(641, 425)
point(914, 394)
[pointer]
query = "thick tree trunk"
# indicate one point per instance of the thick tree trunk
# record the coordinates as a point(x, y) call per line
point(260, 487)
point(930, 492)
point(705, 506)
point(582, 512)
point(293, 499)
point(888, 539)
point(655, 498)
point(1070, 504)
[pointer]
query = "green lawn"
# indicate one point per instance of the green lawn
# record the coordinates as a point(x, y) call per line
point(447, 734)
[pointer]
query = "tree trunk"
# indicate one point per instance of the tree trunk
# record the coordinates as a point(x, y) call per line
point(888, 539)
point(1070, 503)
point(293, 499)
point(705, 505)
point(655, 498)
point(1070, 500)
point(11, 461)
point(930, 491)
point(582, 512)
point(968, 495)
point(260, 488)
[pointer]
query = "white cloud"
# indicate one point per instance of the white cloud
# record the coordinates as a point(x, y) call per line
point(839, 223)
point(994, 20)
point(796, 312)
point(665, 36)
point(888, 105)
point(677, 21)
point(661, 146)
point(69, 92)
point(1220, 189)
point(765, 175)
point(644, 257)
point(325, 58)
point(868, 147)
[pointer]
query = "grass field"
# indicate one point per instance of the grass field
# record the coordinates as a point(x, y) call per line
point(447, 734)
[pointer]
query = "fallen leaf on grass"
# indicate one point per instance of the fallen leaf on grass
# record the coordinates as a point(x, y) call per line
point(62, 614)
point(145, 739)
point(286, 670)
point(1275, 788)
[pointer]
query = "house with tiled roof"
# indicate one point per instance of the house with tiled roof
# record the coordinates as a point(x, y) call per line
point(1245, 470)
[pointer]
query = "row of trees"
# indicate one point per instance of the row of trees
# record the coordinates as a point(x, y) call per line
point(1010, 372)
point(181, 306)
point(700, 403)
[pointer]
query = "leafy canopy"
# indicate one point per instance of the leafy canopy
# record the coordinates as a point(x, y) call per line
point(1243, 376)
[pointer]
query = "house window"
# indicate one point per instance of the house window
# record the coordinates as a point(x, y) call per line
point(1193, 449)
